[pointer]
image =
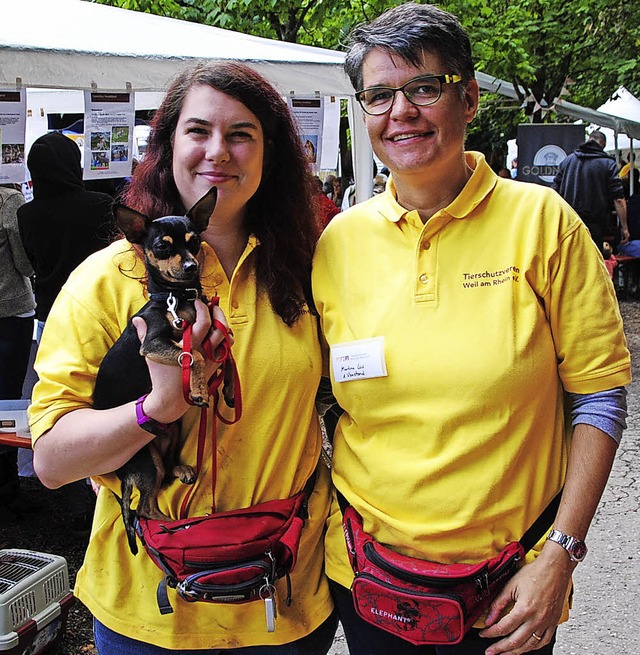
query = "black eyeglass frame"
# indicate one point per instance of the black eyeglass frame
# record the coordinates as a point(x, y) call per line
point(442, 79)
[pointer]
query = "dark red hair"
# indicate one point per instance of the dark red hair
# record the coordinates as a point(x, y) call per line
point(281, 212)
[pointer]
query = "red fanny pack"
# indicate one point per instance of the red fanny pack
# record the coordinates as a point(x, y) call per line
point(230, 557)
point(227, 557)
point(422, 602)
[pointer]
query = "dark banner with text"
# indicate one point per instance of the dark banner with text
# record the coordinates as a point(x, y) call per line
point(541, 148)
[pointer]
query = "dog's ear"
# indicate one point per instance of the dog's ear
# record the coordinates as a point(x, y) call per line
point(201, 212)
point(131, 222)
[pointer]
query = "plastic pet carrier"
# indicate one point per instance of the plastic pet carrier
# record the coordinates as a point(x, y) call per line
point(34, 600)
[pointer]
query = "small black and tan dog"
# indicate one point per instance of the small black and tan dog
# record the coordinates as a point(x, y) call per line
point(172, 248)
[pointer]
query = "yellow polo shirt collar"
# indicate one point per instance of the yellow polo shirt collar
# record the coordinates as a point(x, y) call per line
point(479, 186)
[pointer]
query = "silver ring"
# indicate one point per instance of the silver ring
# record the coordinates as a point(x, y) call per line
point(535, 636)
point(182, 355)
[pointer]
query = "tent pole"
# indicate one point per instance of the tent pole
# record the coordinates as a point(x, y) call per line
point(361, 153)
point(631, 168)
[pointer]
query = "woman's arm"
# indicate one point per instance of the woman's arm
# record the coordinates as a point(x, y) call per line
point(88, 442)
point(538, 590)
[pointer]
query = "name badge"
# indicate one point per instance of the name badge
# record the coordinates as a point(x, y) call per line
point(358, 360)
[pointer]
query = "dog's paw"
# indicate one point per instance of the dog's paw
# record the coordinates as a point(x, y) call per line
point(229, 397)
point(185, 473)
point(199, 401)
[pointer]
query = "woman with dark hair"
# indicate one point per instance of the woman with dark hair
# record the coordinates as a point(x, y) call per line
point(219, 125)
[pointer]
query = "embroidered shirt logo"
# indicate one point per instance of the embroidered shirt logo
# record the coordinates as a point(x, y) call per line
point(490, 278)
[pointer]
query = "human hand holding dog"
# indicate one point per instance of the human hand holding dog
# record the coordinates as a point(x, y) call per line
point(166, 401)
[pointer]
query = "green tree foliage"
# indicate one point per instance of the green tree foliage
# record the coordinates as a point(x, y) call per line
point(543, 47)
point(589, 47)
point(169, 8)
point(323, 23)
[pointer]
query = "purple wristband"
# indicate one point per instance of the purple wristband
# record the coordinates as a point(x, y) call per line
point(146, 422)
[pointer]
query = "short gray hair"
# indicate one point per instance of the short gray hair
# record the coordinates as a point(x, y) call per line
point(409, 31)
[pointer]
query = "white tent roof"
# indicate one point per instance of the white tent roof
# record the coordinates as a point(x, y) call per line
point(110, 47)
point(71, 44)
point(622, 103)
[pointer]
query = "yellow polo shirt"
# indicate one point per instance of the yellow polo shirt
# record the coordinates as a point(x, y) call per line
point(270, 453)
point(486, 313)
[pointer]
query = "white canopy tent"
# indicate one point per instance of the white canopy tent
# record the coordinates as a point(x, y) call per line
point(622, 104)
point(77, 45)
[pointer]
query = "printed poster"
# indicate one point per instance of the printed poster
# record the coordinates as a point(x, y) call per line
point(13, 123)
point(330, 134)
point(109, 118)
point(309, 114)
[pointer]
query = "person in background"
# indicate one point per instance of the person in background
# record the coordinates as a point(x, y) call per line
point(60, 228)
point(326, 209)
point(327, 187)
point(588, 180)
point(379, 183)
point(220, 124)
point(631, 163)
point(337, 191)
point(349, 196)
point(64, 223)
point(16, 332)
point(632, 247)
point(457, 296)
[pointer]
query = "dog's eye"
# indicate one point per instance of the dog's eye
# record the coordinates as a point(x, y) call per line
point(162, 249)
point(193, 245)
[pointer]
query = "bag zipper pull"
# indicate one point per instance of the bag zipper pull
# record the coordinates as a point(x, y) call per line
point(267, 593)
point(482, 585)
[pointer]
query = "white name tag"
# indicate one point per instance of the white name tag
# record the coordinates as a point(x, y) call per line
point(358, 360)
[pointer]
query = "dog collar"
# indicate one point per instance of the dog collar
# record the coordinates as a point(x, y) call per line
point(146, 422)
point(180, 294)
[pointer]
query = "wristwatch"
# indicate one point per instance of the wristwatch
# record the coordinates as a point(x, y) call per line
point(576, 549)
point(146, 422)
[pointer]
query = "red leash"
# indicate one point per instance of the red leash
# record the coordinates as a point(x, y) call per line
point(224, 357)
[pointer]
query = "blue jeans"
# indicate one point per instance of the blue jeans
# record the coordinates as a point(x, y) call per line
point(366, 639)
point(317, 643)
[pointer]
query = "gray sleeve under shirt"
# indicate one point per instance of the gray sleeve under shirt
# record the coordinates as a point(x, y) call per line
point(605, 410)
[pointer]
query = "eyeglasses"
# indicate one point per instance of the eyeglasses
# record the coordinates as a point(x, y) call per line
point(421, 91)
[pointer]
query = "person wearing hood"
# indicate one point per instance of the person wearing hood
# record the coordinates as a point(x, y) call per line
point(64, 223)
point(60, 228)
point(588, 180)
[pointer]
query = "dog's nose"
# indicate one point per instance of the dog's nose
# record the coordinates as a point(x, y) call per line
point(190, 266)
